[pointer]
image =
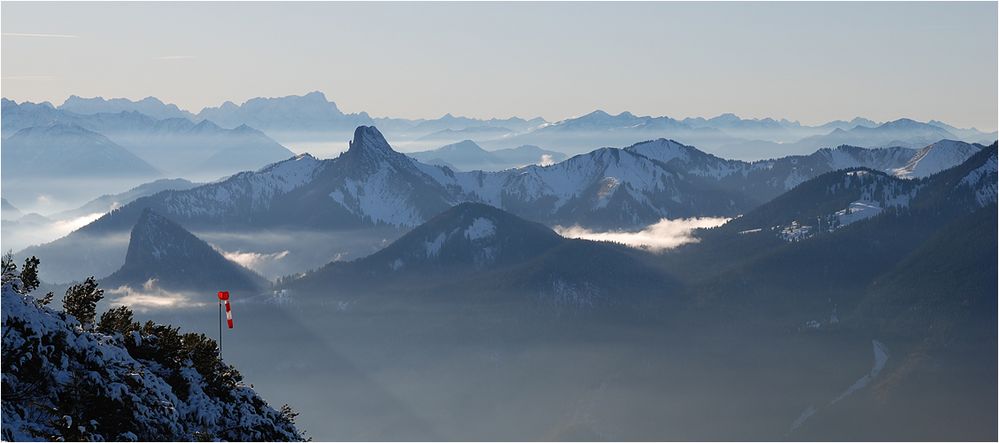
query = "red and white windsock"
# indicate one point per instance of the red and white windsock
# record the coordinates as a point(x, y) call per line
point(224, 298)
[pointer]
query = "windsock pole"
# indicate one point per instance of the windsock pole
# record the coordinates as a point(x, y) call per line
point(220, 329)
point(223, 297)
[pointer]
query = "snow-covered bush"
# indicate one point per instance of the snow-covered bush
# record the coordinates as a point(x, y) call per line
point(121, 381)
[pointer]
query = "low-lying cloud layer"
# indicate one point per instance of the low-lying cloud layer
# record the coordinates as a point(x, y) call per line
point(26, 231)
point(256, 261)
point(150, 296)
point(658, 237)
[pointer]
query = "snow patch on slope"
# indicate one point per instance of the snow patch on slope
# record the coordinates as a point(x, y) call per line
point(983, 181)
point(433, 247)
point(880, 360)
point(259, 188)
point(480, 228)
point(858, 210)
point(378, 199)
point(934, 158)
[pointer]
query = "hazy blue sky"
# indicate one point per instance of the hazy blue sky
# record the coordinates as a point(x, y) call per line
point(808, 61)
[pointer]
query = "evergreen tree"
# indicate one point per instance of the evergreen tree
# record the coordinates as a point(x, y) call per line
point(27, 280)
point(118, 320)
point(81, 301)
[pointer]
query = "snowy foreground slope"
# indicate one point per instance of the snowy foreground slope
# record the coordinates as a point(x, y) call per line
point(61, 382)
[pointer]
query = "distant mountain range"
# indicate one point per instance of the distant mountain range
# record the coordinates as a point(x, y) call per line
point(732, 137)
point(466, 124)
point(313, 117)
point(466, 155)
point(67, 151)
point(453, 135)
point(174, 146)
point(371, 185)
point(150, 106)
point(108, 202)
point(311, 112)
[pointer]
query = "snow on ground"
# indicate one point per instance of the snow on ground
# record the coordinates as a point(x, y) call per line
point(880, 359)
point(378, 198)
point(858, 210)
point(434, 246)
point(934, 158)
point(984, 194)
point(607, 187)
point(805, 415)
point(480, 228)
point(49, 357)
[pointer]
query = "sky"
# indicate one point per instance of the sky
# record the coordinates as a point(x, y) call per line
point(811, 62)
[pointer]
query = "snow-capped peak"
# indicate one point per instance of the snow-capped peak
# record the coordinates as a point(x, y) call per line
point(662, 150)
point(936, 157)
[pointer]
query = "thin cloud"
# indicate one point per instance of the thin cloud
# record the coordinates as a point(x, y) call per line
point(149, 297)
point(38, 35)
point(658, 237)
point(174, 57)
point(30, 77)
point(254, 260)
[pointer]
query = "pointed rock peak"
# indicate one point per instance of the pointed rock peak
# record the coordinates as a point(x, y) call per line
point(205, 125)
point(367, 139)
point(464, 145)
point(149, 216)
point(73, 99)
point(157, 237)
point(727, 117)
point(243, 128)
point(597, 113)
point(153, 233)
point(316, 95)
point(163, 250)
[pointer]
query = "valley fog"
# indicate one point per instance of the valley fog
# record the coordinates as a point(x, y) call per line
point(369, 369)
point(499, 221)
